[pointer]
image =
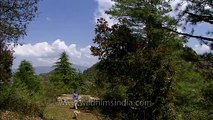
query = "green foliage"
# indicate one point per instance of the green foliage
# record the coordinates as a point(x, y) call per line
point(137, 69)
point(5, 92)
point(15, 16)
point(208, 96)
point(21, 94)
point(141, 60)
point(6, 60)
point(17, 98)
point(142, 13)
point(25, 94)
point(63, 68)
point(25, 74)
point(190, 101)
point(64, 76)
point(205, 65)
point(94, 81)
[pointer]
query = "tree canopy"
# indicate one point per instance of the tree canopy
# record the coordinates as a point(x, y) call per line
point(196, 12)
point(137, 68)
point(15, 15)
point(139, 61)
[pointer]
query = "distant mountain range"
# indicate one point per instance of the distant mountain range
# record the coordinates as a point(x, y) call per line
point(47, 69)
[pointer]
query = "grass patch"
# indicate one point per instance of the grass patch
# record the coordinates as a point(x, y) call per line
point(57, 112)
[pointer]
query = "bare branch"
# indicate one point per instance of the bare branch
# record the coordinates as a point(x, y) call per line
point(205, 18)
point(189, 35)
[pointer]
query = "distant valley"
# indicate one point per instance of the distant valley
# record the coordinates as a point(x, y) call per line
point(47, 69)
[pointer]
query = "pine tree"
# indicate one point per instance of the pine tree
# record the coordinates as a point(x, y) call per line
point(64, 73)
point(26, 75)
point(137, 58)
point(63, 66)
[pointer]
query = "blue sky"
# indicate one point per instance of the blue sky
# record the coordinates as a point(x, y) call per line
point(70, 20)
point(68, 25)
point(61, 25)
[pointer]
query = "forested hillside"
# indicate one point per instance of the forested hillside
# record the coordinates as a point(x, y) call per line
point(145, 70)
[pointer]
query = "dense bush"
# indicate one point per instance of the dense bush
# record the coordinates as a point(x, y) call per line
point(16, 98)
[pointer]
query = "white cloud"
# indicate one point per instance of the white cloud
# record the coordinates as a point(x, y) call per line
point(45, 54)
point(104, 5)
point(200, 49)
point(174, 4)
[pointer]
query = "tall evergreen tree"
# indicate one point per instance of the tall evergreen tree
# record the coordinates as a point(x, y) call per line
point(137, 56)
point(26, 75)
point(63, 66)
point(64, 73)
point(136, 72)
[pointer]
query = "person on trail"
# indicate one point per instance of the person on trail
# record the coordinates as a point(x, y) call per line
point(75, 99)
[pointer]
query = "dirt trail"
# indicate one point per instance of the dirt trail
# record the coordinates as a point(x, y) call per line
point(58, 112)
point(52, 112)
